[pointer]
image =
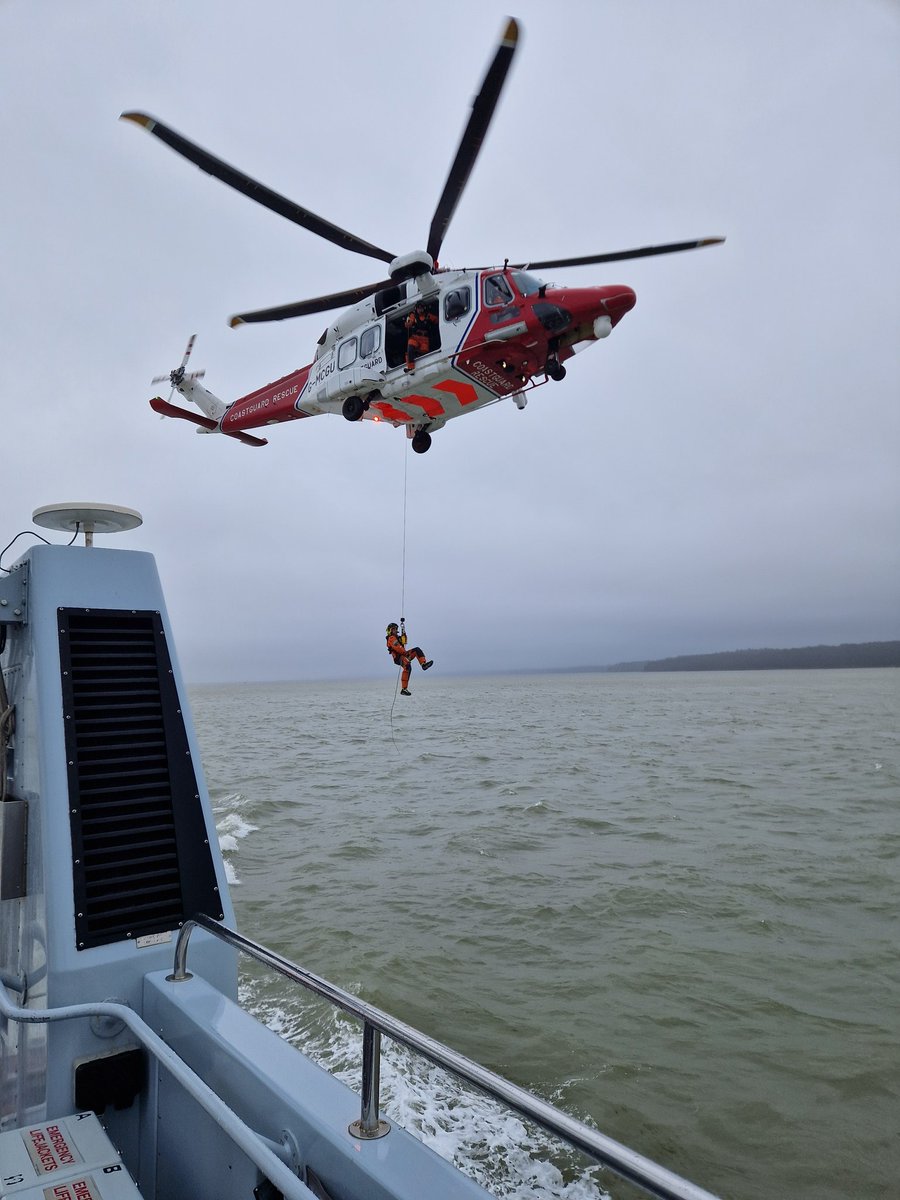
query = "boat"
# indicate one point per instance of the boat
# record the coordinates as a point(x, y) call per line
point(128, 1067)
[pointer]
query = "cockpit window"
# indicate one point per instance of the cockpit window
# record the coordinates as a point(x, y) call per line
point(528, 285)
point(497, 290)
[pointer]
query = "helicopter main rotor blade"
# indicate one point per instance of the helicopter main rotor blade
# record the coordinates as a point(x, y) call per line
point(257, 191)
point(618, 255)
point(482, 111)
point(302, 308)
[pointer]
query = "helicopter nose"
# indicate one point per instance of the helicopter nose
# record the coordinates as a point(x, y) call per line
point(618, 302)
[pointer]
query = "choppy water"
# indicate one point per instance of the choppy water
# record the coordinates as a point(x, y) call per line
point(667, 903)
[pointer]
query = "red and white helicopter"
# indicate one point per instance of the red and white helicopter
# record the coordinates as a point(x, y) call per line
point(492, 332)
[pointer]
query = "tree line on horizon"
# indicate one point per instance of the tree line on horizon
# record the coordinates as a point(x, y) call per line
point(849, 654)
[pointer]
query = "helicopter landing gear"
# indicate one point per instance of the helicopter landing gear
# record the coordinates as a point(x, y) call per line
point(554, 369)
point(353, 408)
point(421, 441)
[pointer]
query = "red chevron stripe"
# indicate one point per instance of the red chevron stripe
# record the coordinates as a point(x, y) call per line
point(432, 407)
point(391, 413)
point(465, 393)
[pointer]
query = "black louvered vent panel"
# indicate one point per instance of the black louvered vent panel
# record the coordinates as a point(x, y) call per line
point(141, 862)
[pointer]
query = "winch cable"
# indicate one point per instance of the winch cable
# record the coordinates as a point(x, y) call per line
point(402, 588)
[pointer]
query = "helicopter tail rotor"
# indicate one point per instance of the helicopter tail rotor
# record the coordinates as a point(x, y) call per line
point(179, 374)
point(187, 384)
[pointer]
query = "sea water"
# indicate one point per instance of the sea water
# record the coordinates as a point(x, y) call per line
point(668, 903)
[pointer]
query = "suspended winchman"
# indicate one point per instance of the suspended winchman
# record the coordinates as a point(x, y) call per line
point(396, 647)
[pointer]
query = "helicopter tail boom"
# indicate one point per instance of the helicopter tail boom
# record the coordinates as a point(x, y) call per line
point(211, 405)
point(206, 424)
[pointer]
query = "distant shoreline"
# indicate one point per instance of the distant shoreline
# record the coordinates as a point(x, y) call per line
point(797, 658)
point(847, 655)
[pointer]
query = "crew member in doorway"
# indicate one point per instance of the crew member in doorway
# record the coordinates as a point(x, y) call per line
point(396, 647)
point(419, 325)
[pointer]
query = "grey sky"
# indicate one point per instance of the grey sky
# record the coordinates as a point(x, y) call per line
point(721, 472)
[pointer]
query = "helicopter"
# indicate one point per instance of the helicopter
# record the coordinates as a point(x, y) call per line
point(426, 344)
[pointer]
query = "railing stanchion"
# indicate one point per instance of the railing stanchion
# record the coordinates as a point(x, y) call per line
point(369, 1126)
point(180, 972)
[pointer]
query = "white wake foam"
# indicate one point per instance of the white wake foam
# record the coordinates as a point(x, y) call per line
point(231, 829)
point(491, 1144)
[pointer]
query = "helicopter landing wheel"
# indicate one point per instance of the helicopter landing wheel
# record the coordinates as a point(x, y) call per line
point(421, 442)
point(555, 369)
point(353, 408)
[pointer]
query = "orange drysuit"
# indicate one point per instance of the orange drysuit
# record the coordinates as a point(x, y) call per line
point(418, 329)
point(404, 658)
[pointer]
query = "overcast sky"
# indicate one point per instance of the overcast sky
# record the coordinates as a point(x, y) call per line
point(722, 472)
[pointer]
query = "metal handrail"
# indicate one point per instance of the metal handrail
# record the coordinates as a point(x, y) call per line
point(646, 1174)
point(258, 1149)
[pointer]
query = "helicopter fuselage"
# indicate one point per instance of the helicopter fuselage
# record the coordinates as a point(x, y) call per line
point(494, 333)
point(481, 334)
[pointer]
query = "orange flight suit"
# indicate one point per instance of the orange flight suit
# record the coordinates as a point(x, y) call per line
point(404, 658)
point(418, 330)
